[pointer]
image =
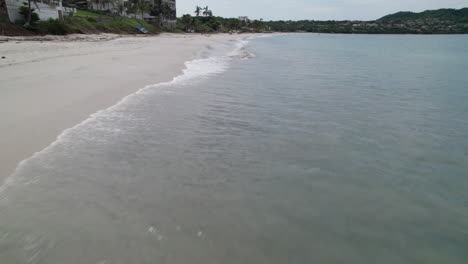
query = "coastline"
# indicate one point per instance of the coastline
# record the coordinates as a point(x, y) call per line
point(49, 86)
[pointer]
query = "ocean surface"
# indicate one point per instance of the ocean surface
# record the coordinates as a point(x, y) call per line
point(300, 148)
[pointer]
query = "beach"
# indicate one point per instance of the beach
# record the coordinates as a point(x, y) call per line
point(53, 83)
point(255, 153)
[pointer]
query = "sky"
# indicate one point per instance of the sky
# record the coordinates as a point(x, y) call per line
point(314, 9)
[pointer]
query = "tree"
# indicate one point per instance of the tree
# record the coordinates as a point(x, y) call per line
point(206, 11)
point(157, 8)
point(143, 6)
point(188, 22)
point(30, 10)
point(162, 11)
point(198, 10)
point(28, 13)
point(168, 12)
point(132, 5)
point(120, 8)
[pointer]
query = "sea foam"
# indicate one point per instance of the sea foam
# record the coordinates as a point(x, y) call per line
point(214, 59)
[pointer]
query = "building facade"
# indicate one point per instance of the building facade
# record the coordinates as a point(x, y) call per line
point(167, 7)
point(45, 9)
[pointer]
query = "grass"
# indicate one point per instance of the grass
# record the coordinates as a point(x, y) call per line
point(85, 22)
point(125, 23)
point(55, 27)
point(95, 22)
point(88, 22)
point(118, 25)
point(84, 13)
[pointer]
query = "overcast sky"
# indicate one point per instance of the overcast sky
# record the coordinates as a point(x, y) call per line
point(314, 9)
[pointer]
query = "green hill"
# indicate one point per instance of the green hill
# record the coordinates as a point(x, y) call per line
point(453, 15)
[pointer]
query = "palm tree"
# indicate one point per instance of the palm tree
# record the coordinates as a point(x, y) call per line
point(198, 10)
point(143, 6)
point(132, 6)
point(206, 11)
point(157, 9)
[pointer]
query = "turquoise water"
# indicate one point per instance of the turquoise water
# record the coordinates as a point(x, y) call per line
point(297, 148)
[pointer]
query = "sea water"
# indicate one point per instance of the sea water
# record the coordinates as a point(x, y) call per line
point(299, 148)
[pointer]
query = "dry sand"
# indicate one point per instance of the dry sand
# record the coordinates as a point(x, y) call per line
point(49, 86)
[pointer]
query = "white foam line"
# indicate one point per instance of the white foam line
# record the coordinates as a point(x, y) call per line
point(213, 65)
point(268, 35)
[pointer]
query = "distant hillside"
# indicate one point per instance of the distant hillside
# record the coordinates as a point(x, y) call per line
point(453, 15)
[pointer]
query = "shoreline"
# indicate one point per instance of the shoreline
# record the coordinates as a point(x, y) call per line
point(50, 86)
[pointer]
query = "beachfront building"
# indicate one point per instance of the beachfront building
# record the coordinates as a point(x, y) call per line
point(46, 9)
point(167, 8)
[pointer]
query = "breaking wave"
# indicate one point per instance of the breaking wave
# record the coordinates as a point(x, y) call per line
point(213, 60)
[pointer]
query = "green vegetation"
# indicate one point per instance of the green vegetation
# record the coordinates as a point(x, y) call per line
point(453, 15)
point(157, 9)
point(55, 27)
point(29, 13)
point(84, 13)
point(209, 24)
point(443, 21)
point(90, 22)
point(205, 22)
point(161, 10)
point(87, 22)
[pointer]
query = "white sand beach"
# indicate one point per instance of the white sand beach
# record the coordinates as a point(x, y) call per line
point(49, 86)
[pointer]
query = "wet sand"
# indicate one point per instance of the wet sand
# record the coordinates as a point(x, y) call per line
point(49, 86)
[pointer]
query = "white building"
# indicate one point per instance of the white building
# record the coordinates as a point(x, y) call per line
point(111, 6)
point(45, 9)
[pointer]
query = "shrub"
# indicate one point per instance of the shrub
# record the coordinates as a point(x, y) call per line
point(129, 25)
point(54, 27)
point(91, 19)
point(203, 28)
point(82, 22)
point(24, 10)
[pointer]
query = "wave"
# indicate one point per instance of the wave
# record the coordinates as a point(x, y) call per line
point(208, 62)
